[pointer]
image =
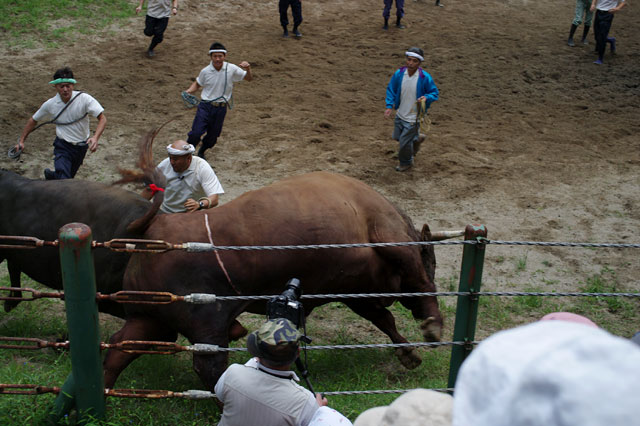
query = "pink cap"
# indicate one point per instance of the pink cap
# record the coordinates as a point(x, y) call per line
point(568, 316)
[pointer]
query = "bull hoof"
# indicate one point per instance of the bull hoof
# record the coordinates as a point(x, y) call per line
point(409, 357)
point(431, 330)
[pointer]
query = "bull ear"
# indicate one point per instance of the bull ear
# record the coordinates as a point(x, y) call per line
point(425, 234)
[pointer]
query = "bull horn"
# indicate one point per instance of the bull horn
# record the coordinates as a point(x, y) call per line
point(445, 235)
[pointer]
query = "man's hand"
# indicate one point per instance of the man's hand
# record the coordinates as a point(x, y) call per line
point(93, 144)
point(191, 205)
point(387, 112)
point(321, 400)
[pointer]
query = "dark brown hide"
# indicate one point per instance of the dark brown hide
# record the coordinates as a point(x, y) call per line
point(40, 208)
point(316, 208)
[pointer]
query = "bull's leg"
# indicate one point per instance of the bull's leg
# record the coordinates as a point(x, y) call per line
point(210, 367)
point(383, 319)
point(413, 278)
point(135, 328)
point(14, 276)
point(236, 331)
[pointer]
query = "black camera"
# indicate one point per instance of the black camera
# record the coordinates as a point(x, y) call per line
point(286, 305)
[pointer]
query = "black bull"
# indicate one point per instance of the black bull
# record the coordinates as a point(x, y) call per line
point(40, 208)
point(315, 208)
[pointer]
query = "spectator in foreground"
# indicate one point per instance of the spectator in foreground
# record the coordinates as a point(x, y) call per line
point(419, 407)
point(549, 373)
point(264, 391)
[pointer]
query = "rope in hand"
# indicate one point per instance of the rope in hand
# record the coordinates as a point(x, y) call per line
point(422, 119)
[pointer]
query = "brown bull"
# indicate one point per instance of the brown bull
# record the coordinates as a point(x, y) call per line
point(315, 208)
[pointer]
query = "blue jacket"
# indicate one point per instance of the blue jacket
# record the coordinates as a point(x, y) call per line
point(425, 87)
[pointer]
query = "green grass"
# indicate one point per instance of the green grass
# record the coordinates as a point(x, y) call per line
point(50, 23)
point(337, 370)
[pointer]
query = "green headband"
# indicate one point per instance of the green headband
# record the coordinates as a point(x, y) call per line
point(63, 80)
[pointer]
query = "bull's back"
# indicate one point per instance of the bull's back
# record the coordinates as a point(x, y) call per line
point(40, 208)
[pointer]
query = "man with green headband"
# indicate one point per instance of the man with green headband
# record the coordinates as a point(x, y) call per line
point(69, 110)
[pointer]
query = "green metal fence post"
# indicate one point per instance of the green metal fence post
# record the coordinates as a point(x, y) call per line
point(467, 307)
point(85, 385)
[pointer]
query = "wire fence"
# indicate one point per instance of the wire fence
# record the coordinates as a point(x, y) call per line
point(155, 246)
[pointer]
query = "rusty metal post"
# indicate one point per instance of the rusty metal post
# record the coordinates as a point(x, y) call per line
point(84, 388)
point(467, 306)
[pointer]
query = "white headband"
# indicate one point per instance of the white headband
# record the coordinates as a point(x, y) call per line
point(217, 51)
point(186, 149)
point(415, 55)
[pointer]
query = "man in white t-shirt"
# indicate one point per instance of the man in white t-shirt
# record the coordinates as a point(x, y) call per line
point(69, 110)
point(191, 182)
point(264, 391)
point(216, 81)
point(604, 9)
point(409, 85)
point(156, 20)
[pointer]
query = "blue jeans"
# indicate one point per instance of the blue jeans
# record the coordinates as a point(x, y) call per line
point(406, 133)
point(67, 158)
point(296, 11)
point(601, 28)
point(386, 12)
point(209, 120)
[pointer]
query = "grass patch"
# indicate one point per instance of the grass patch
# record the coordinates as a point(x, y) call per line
point(48, 23)
point(336, 370)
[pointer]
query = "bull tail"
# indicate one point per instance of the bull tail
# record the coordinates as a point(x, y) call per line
point(148, 174)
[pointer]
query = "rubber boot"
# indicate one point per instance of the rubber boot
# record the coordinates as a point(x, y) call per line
point(399, 24)
point(386, 24)
point(572, 31)
point(584, 34)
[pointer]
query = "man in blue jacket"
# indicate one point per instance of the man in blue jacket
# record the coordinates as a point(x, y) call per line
point(408, 86)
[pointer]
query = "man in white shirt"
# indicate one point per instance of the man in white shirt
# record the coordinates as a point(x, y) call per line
point(157, 20)
point(407, 86)
point(605, 9)
point(69, 110)
point(191, 182)
point(264, 391)
point(216, 81)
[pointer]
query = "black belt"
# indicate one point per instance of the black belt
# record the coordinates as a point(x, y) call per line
point(217, 104)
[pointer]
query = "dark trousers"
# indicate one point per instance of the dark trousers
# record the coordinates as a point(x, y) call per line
point(209, 120)
point(154, 27)
point(386, 12)
point(67, 158)
point(601, 27)
point(296, 11)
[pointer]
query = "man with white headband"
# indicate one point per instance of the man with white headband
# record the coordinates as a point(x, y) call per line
point(69, 110)
point(408, 86)
point(216, 81)
point(191, 182)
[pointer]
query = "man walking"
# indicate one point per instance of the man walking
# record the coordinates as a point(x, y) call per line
point(409, 85)
point(604, 18)
point(296, 12)
point(583, 8)
point(69, 110)
point(157, 19)
point(386, 13)
point(216, 81)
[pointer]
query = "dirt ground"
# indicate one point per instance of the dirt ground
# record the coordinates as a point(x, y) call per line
point(529, 137)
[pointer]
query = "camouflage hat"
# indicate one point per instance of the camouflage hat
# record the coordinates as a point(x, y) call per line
point(276, 340)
